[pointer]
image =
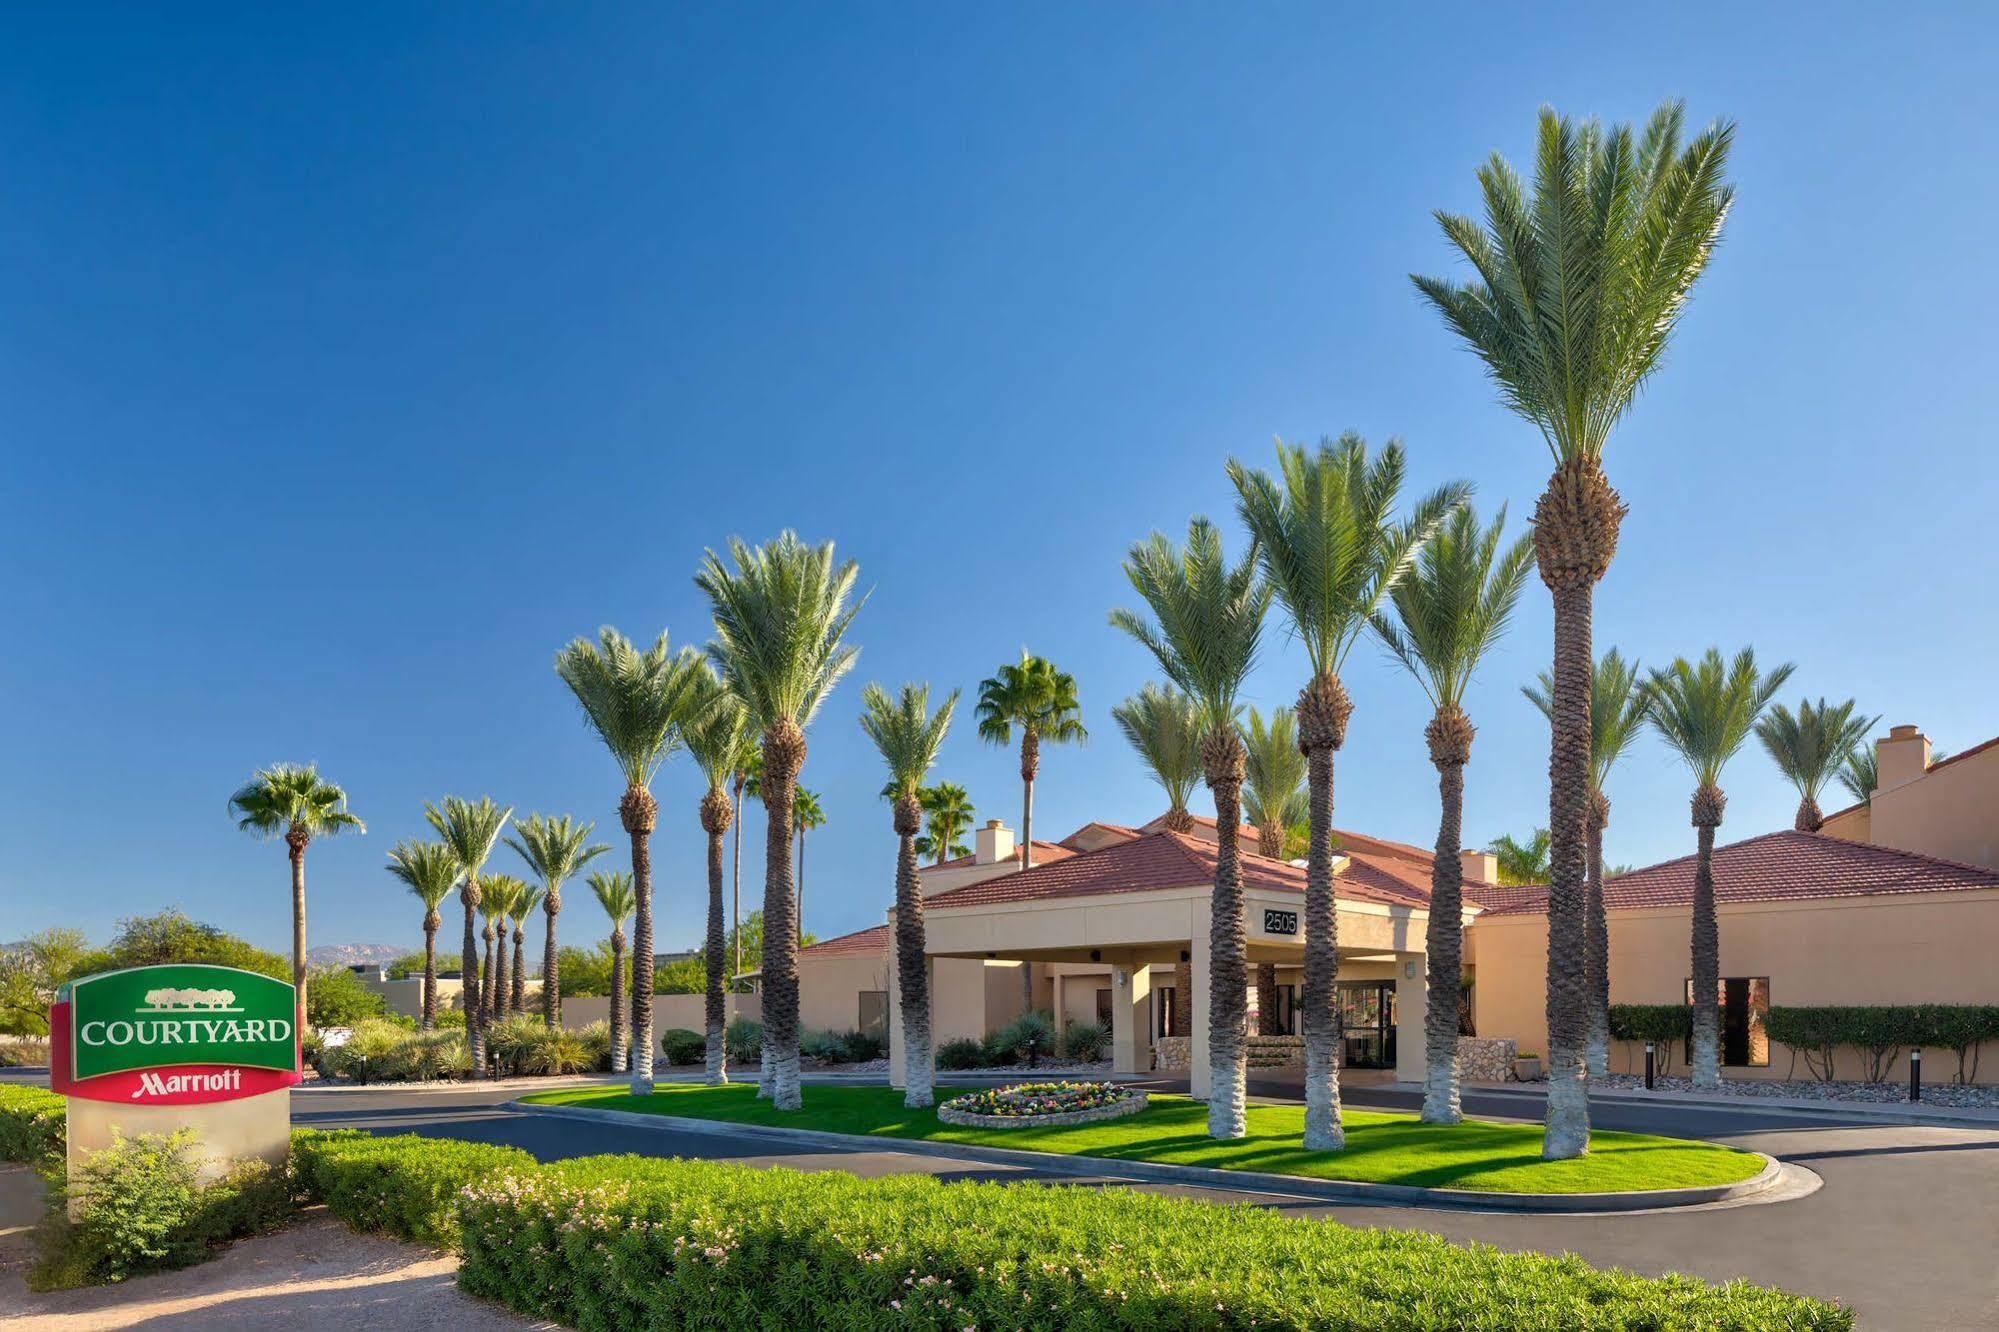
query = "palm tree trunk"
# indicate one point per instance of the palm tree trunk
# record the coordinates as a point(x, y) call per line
point(295, 843)
point(1810, 818)
point(486, 986)
point(912, 966)
point(519, 1001)
point(1450, 737)
point(736, 886)
point(1323, 710)
point(1267, 1018)
point(784, 756)
point(551, 976)
point(715, 815)
point(501, 1007)
point(801, 885)
point(1575, 536)
point(1596, 964)
point(468, 975)
point(1228, 979)
point(640, 813)
point(1708, 803)
point(1030, 764)
point(431, 923)
point(621, 1038)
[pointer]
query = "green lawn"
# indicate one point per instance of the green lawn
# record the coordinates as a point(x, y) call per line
point(1381, 1148)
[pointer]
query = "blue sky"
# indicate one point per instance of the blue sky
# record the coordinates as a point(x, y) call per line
point(356, 358)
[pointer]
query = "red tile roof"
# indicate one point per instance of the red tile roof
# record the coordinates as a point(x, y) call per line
point(1044, 853)
point(1117, 828)
point(871, 940)
point(1778, 866)
point(1164, 860)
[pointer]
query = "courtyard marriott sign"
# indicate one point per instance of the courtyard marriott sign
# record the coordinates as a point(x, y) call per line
point(184, 1034)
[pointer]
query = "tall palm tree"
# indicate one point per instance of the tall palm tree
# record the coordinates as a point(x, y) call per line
point(431, 871)
point(780, 617)
point(556, 849)
point(502, 896)
point(1811, 747)
point(1521, 862)
point(636, 702)
point(292, 801)
point(752, 757)
point(1859, 776)
point(1040, 701)
point(909, 735)
point(1273, 800)
point(1332, 552)
point(1618, 704)
point(806, 815)
point(1164, 727)
point(470, 829)
point(947, 809)
point(1207, 618)
point(1574, 295)
point(614, 893)
point(1449, 611)
point(719, 742)
point(1704, 711)
point(525, 905)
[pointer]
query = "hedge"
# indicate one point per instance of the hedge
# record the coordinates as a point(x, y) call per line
point(633, 1242)
point(406, 1186)
point(32, 1125)
point(1880, 1032)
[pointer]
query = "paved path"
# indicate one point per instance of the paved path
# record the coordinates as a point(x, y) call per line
point(1904, 1230)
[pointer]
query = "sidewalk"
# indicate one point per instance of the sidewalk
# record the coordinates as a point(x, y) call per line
point(1890, 1112)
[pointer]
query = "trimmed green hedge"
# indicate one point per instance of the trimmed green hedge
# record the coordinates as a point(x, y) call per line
point(633, 1242)
point(33, 1122)
point(406, 1186)
point(1882, 1032)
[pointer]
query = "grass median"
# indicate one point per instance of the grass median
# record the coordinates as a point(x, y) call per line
point(1382, 1148)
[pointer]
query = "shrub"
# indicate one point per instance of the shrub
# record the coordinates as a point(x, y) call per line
point(1669, 1026)
point(1010, 1044)
point(24, 1052)
point(335, 997)
point(628, 1242)
point(32, 1121)
point(678, 1045)
point(841, 1047)
point(404, 1186)
point(143, 1211)
point(1961, 1028)
point(1882, 1031)
point(595, 1040)
point(384, 1051)
point(744, 1040)
point(961, 1054)
point(1085, 1042)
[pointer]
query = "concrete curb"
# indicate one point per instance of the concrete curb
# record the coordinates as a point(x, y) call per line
point(1887, 1112)
point(1327, 1190)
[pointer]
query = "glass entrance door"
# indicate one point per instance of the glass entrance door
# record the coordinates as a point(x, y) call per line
point(1367, 1021)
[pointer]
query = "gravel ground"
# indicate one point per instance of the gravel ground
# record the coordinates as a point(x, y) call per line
point(314, 1274)
point(1893, 1093)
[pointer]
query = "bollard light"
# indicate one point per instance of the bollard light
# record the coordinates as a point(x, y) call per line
point(1650, 1051)
point(1916, 1074)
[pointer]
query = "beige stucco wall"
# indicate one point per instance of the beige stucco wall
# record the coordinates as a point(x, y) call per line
point(1916, 948)
point(830, 985)
point(686, 1011)
point(1950, 811)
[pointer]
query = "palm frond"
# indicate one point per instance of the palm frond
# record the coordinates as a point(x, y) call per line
point(947, 815)
point(291, 796)
point(1860, 776)
point(635, 701)
point(1813, 745)
point(469, 828)
point(1453, 604)
point(615, 894)
point(1619, 704)
point(1275, 769)
point(905, 731)
point(1033, 695)
point(555, 848)
point(430, 869)
point(719, 737)
point(1705, 710)
point(1207, 616)
point(780, 617)
point(1164, 726)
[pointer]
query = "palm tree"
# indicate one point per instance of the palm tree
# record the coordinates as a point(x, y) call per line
point(502, 896)
point(1575, 294)
point(614, 893)
point(1041, 701)
point(720, 744)
point(1618, 703)
point(909, 735)
point(636, 702)
point(1449, 611)
point(1164, 727)
point(780, 616)
point(1704, 711)
point(751, 759)
point(1859, 776)
point(431, 871)
point(556, 849)
point(947, 808)
point(1274, 801)
point(805, 816)
point(1521, 862)
point(1208, 616)
point(293, 801)
point(470, 829)
point(1811, 748)
point(524, 906)
point(1332, 551)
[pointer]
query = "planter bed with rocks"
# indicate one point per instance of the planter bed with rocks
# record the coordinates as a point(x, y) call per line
point(1042, 1104)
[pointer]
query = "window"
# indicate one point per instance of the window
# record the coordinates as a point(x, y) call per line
point(874, 1014)
point(1104, 1007)
point(1744, 1003)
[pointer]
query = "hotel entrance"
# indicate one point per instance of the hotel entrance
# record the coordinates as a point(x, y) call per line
point(1367, 1021)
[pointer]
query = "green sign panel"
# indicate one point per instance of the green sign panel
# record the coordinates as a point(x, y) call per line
point(163, 1017)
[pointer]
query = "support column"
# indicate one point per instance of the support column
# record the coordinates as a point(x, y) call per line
point(1131, 1004)
point(1198, 1073)
point(1411, 1004)
point(1058, 1002)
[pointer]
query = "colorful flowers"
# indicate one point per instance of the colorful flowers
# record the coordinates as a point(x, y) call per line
point(1027, 1100)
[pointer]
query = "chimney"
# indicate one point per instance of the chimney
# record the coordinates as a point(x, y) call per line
point(1479, 866)
point(1902, 757)
point(992, 843)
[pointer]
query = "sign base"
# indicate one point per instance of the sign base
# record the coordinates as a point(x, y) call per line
point(226, 1133)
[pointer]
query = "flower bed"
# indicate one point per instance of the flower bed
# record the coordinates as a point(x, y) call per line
point(1042, 1103)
